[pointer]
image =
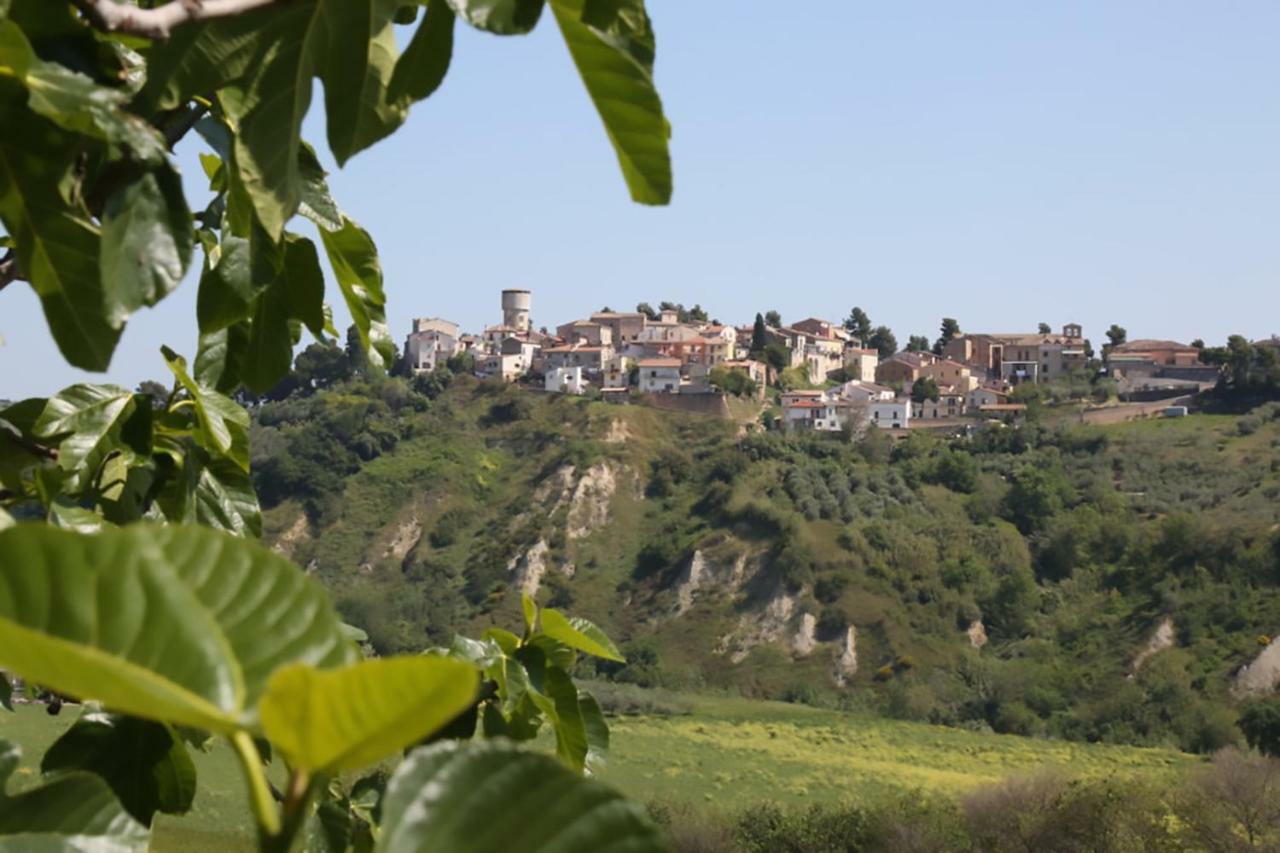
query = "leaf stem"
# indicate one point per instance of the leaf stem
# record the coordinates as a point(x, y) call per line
point(264, 807)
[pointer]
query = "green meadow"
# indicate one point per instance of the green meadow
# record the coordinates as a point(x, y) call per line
point(725, 756)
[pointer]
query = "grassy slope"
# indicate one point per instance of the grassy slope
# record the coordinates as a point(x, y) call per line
point(454, 462)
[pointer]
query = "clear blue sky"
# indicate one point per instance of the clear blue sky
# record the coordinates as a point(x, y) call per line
point(1004, 163)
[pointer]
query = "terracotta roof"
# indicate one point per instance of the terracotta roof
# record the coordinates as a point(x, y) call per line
point(803, 392)
point(546, 350)
point(804, 404)
point(1145, 344)
point(658, 362)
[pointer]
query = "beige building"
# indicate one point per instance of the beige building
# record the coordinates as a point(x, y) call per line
point(860, 363)
point(625, 325)
point(1019, 358)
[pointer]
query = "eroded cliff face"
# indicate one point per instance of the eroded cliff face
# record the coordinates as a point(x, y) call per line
point(1262, 674)
point(1161, 638)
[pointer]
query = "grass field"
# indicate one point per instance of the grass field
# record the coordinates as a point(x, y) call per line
point(732, 753)
point(219, 820)
point(728, 755)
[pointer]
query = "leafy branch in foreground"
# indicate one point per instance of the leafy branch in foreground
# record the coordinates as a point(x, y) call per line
point(178, 627)
point(178, 633)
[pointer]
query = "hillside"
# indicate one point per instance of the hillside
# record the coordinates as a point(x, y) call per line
point(1092, 583)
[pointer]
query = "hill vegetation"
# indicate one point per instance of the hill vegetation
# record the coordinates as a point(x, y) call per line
point(1087, 583)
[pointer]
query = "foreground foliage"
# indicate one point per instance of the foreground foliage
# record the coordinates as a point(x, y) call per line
point(178, 633)
point(181, 628)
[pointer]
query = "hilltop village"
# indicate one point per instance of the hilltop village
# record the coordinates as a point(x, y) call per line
point(829, 376)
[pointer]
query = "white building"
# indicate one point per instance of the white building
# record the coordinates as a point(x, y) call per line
point(432, 342)
point(891, 414)
point(659, 375)
point(565, 380)
point(864, 392)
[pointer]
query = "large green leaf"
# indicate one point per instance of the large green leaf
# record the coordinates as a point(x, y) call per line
point(90, 418)
point(611, 42)
point(262, 64)
point(220, 357)
point(145, 763)
point(74, 101)
point(178, 624)
point(228, 286)
point(421, 69)
point(76, 813)
point(57, 243)
point(147, 239)
point(345, 719)
point(354, 259)
point(456, 797)
point(504, 17)
point(580, 634)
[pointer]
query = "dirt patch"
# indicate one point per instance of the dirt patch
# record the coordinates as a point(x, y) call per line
point(765, 625)
point(288, 541)
point(408, 533)
point(804, 642)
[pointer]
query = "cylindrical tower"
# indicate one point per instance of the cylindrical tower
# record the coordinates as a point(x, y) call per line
point(515, 309)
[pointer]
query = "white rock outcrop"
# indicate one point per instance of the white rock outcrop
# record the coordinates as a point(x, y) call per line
point(1162, 638)
point(408, 534)
point(589, 507)
point(847, 659)
point(766, 625)
point(1262, 675)
point(977, 634)
point(805, 641)
point(529, 567)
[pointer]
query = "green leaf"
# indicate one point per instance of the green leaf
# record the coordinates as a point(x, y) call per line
point(304, 284)
point(90, 416)
point(223, 426)
point(567, 721)
point(421, 69)
point(220, 357)
point(176, 624)
point(580, 634)
point(317, 203)
point(75, 102)
point(345, 719)
point(6, 520)
point(611, 42)
point(445, 799)
point(224, 498)
point(147, 239)
point(74, 518)
point(57, 243)
point(530, 609)
point(354, 259)
point(74, 812)
point(597, 731)
point(227, 286)
point(6, 686)
point(145, 763)
point(504, 17)
point(262, 63)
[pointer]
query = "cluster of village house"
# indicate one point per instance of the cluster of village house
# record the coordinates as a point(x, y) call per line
point(618, 351)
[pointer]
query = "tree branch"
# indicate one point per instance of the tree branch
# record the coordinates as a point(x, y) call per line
point(112, 16)
point(9, 269)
